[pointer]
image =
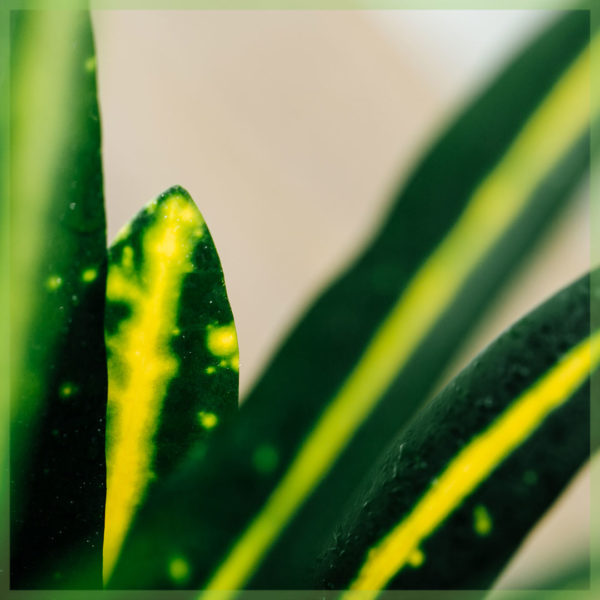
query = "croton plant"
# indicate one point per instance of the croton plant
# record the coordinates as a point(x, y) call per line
point(131, 464)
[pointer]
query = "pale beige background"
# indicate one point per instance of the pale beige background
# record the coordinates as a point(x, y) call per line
point(290, 129)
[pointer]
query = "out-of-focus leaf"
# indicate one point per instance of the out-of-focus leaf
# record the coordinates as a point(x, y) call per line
point(58, 246)
point(461, 487)
point(4, 305)
point(172, 353)
point(371, 347)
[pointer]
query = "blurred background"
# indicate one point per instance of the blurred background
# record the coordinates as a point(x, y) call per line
point(291, 130)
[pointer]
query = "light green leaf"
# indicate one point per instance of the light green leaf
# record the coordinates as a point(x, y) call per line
point(57, 264)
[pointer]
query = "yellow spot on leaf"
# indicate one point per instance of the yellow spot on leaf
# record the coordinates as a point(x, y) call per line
point(416, 558)
point(482, 521)
point(53, 282)
point(89, 275)
point(67, 389)
point(208, 420)
point(179, 569)
point(222, 341)
point(210, 370)
point(90, 64)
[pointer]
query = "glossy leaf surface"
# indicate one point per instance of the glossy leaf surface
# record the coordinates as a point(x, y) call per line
point(172, 353)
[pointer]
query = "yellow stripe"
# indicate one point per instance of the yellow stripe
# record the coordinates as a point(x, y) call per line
point(473, 464)
point(140, 364)
point(551, 131)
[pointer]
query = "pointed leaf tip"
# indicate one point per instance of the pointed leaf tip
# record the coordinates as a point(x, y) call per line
point(173, 354)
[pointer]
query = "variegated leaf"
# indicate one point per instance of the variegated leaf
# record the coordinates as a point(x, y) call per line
point(462, 486)
point(172, 353)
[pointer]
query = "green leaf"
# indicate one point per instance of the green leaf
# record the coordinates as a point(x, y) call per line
point(58, 248)
point(368, 351)
point(579, 570)
point(458, 490)
point(172, 353)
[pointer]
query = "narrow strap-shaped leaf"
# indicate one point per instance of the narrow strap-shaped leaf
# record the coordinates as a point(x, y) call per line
point(172, 353)
point(58, 247)
point(461, 487)
point(370, 348)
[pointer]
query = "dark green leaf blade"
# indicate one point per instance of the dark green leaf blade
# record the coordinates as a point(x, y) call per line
point(172, 354)
point(369, 350)
point(58, 248)
point(459, 489)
